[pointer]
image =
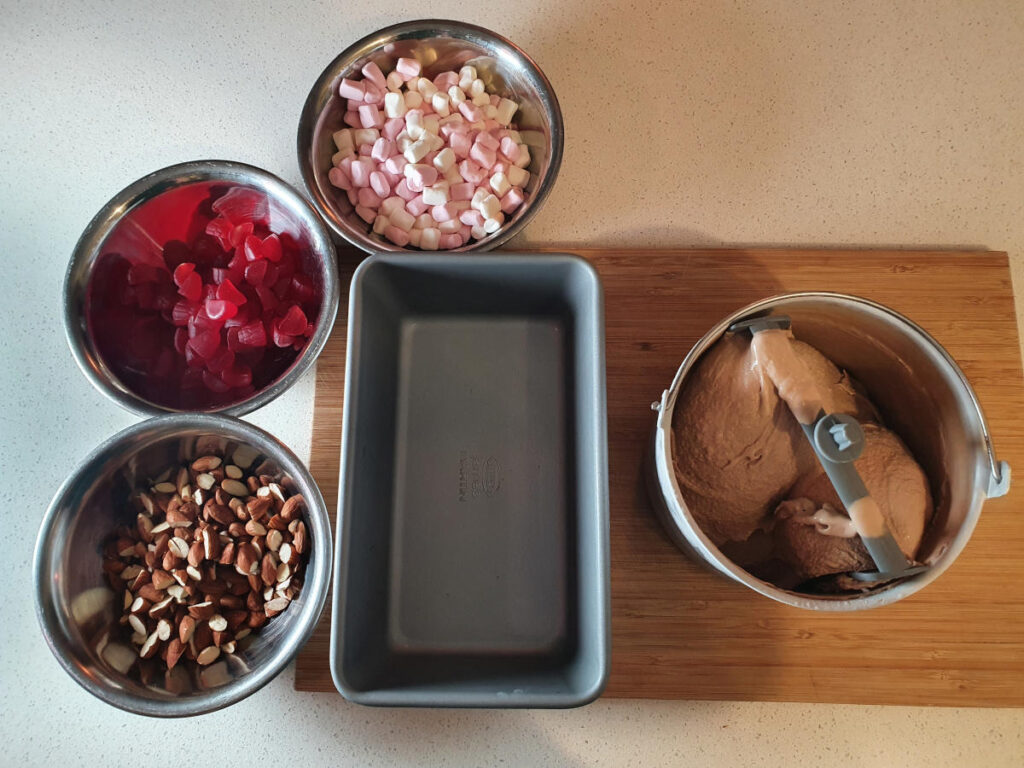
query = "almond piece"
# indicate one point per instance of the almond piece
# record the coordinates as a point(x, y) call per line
point(138, 625)
point(161, 609)
point(157, 529)
point(196, 554)
point(198, 497)
point(163, 629)
point(299, 540)
point(231, 601)
point(206, 481)
point(129, 573)
point(242, 634)
point(277, 492)
point(176, 592)
point(202, 610)
point(140, 605)
point(186, 628)
point(292, 507)
point(233, 472)
point(221, 513)
point(147, 503)
point(234, 487)
point(274, 540)
point(218, 623)
point(278, 523)
point(208, 655)
point(287, 553)
point(263, 493)
point(179, 518)
point(164, 487)
point(244, 456)
point(247, 561)
point(211, 544)
point(228, 647)
point(267, 570)
point(162, 579)
point(255, 529)
point(253, 601)
point(284, 571)
point(236, 529)
point(236, 619)
point(150, 647)
point(275, 606)
point(150, 593)
point(179, 547)
point(194, 573)
point(174, 650)
point(257, 619)
point(206, 463)
point(227, 555)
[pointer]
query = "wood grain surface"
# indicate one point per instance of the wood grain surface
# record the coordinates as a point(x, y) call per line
point(679, 631)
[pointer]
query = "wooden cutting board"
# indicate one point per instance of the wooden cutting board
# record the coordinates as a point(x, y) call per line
point(679, 631)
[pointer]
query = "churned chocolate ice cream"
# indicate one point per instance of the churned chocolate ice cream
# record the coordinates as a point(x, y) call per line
point(753, 483)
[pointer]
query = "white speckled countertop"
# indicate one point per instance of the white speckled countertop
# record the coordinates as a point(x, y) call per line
point(880, 122)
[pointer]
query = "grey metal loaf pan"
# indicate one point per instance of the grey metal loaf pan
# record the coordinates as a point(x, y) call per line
point(472, 558)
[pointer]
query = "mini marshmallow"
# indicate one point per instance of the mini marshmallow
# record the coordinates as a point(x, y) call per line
point(426, 88)
point(417, 150)
point(380, 224)
point(452, 119)
point(452, 176)
point(449, 226)
point(512, 200)
point(456, 96)
point(365, 136)
point(461, 143)
point(360, 173)
point(481, 100)
point(395, 82)
point(445, 159)
point(407, 68)
point(403, 191)
point(432, 124)
point(382, 149)
point(451, 241)
point(368, 198)
point(379, 184)
point(403, 219)
point(352, 120)
point(442, 213)
point(339, 178)
point(366, 214)
point(395, 164)
point(509, 148)
point(343, 140)
point(490, 207)
point(479, 233)
point(372, 95)
point(399, 237)
point(403, 140)
point(463, 191)
point(393, 127)
point(337, 157)
point(471, 218)
point(478, 197)
point(476, 87)
point(414, 237)
point(489, 112)
point(524, 157)
point(373, 73)
point(441, 104)
point(430, 238)
point(370, 116)
point(365, 150)
point(493, 225)
point(488, 141)
point(424, 175)
point(506, 111)
point(436, 194)
point(353, 197)
point(485, 157)
point(435, 142)
point(459, 205)
point(394, 105)
point(413, 100)
point(391, 204)
point(446, 80)
point(424, 221)
point(500, 184)
point(471, 171)
point(517, 177)
point(467, 75)
point(351, 89)
point(417, 207)
point(470, 111)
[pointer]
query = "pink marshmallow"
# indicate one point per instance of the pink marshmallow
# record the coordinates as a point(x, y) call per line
point(472, 172)
point(393, 127)
point(499, 167)
point(339, 178)
point(366, 214)
point(495, 98)
point(379, 184)
point(360, 172)
point(485, 157)
point(351, 89)
point(365, 150)
point(370, 116)
point(408, 69)
point(512, 200)
point(488, 141)
point(491, 125)
point(472, 218)
point(393, 178)
point(397, 236)
point(416, 206)
point(352, 119)
point(422, 174)
point(442, 212)
point(353, 197)
point(403, 191)
point(372, 94)
point(471, 111)
point(465, 232)
point(446, 80)
point(460, 143)
point(368, 198)
point(463, 191)
point(448, 242)
point(382, 149)
point(395, 164)
point(510, 149)
point(374, 74)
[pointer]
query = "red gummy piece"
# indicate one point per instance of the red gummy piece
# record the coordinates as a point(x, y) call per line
point(228, 292)
point(182, 271)
point(256, 272)
point(302, 288)
point(180, 340)
point(181, 313)
point(268, 301)
point(294, 321)
point(253, 334)
point(214, 383)
point(280, 339)
point(221, 361)
point(237, 376)
point(269, 248)
point(240, 232)
point(192, 288)
point(218, 309)
point(221, 229)
point(205, 344)
point(192, 358)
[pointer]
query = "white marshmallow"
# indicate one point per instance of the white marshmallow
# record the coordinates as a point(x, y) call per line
point(435, 141)
point(426, 88)
point(478, 233)
point(450, 227)
point(444, 160)
point(441, 104)
point(506, 111)
point(478, 198)
point(476, 87)
point(380, 224)
point(431, 124)
point(395, 82)
point(402, 219)
point(394, 105)
point(478, 125)
point(456, 95)
point(524, 157)
point(430, 238)
point(482, 100)
point(500, 184)
point(413, 100)
point(454, 117)
point(417, 150)
point(391, 204)
point(436, 194)
point(340, 155)
point(452, 176)
point(424, 221)
point(414, 237)
point(343, 140)
point(517, 177)
point(403, 141)
point(492, 225)
point(490, 207)
point(490, 111)
point(365, 136)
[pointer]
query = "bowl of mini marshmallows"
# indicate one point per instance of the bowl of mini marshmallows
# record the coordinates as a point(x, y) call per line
point(430, 135)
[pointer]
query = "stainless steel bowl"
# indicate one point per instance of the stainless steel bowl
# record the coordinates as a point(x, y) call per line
point(286, 204)
point(74, 606)
point(924, 397)
point(439, 45)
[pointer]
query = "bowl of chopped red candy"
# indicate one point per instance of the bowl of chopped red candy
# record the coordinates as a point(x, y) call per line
point(206, 286)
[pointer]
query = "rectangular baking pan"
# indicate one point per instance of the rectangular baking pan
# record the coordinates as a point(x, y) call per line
point(472, 557)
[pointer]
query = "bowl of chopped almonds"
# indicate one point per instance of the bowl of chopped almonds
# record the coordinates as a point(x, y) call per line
point(182, 565)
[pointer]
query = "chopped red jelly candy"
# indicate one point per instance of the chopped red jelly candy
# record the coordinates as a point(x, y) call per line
point(302, 288)
point(205, 344)
point(180, 340)
point(268, 301)
point(256, 272)
point(181, 313)
point(240, 232)
point(272, 248)
point(237, 376)
point(280, 339)
point(218, 309)
point(228, 292)
point(294, 321)
point(253, 334)
point(224, 358)
point(233, 342)
point(214, 383)
point(182, 271)
point(192, 287)
point(222, 230)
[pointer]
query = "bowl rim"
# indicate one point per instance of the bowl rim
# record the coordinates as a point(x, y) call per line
point(315, 587)
point(149, 187)
point(322, 91)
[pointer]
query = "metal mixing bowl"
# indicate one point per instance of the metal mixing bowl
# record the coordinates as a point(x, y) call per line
point(74, 606)
point(923, 396)
point(287, 210)
point(439, 45)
